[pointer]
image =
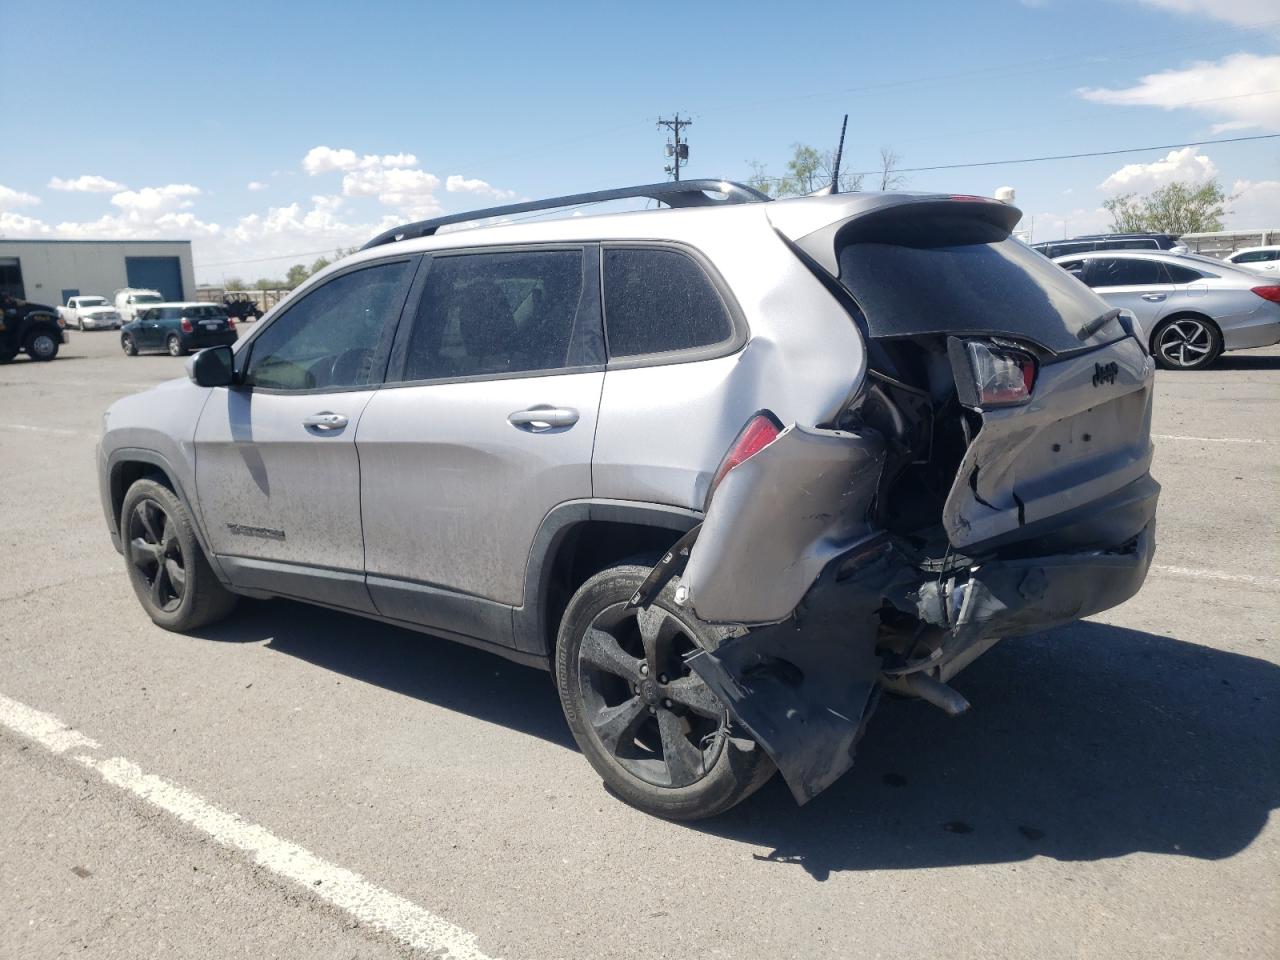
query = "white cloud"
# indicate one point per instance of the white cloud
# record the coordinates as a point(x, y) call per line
point(1245, 13)
point(86, 183)
point(150, 202)
point(460, 184)
point(326, 160)
point(1242, 91)
point(256, 185)
point(1255, 204)
point(10, 199)
point(1185, 164)
point(410, 191)
point(16, 224)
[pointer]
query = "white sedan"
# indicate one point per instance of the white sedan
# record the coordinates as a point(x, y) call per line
point(1263, 260)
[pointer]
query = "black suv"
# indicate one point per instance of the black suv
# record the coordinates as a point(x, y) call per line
point(1110, 241)
point(32, 327)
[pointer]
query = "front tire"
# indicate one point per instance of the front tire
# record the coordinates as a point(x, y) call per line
point(1186, 343)
point(128, 346)
point(42, 346)
point(649, 726)
point(167, 568)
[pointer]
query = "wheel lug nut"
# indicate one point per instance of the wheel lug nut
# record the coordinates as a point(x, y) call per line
point(636, 688)
point(667, 704)
point(653, 709)
point(644, 669)
point(662, 678)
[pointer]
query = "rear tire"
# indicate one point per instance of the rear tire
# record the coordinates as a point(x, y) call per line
point(663, 743)
point(174, 345)
point(1186, 343)
point(168, 570)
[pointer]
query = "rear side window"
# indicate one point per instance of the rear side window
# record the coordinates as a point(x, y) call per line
point(659, 301)
point(490, 314)
point(1178, 274)
point(331, 337)
point(1127, 272)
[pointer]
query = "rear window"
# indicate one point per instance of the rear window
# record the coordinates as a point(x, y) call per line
point(1004, 288)
point(658, 301)
point(210, 312)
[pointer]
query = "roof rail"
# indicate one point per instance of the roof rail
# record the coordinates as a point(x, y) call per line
point(674, 193)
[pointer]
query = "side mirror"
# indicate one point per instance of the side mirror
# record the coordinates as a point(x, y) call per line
point(212, 367)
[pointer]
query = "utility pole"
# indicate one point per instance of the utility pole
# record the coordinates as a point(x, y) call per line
point(678, 151)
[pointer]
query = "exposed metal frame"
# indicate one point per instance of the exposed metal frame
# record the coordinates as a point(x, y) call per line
point(682, 193)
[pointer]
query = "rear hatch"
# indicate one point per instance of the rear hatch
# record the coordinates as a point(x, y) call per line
point(930, 275)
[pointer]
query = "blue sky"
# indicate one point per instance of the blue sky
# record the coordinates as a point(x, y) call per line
point(205, 120)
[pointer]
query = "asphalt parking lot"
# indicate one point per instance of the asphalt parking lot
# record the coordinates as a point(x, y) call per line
point(300, 783)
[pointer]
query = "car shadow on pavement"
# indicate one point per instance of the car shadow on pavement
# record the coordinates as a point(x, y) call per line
point(1246, 361)
point(1085, 743)
point(417, 665)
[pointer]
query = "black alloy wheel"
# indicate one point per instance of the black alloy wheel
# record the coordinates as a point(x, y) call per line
point(156, 552)
point(655, 717)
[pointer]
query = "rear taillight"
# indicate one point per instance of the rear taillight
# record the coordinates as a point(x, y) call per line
point(231, 322)
point(761, 430)
point(186, 326)
point(1003, 376)
point(1270, 292)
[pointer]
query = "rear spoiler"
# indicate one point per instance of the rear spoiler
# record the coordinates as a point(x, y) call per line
point(914, 220)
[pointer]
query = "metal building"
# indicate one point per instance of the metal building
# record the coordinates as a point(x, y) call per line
point(50, 271)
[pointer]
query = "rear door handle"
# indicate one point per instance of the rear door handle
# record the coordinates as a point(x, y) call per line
point(1153, 297)
point(325, 421)
point(543, 418)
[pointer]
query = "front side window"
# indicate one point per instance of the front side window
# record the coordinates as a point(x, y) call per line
point(491, 314)
point(1127, 272)
point(330, 338)
point(658, 301)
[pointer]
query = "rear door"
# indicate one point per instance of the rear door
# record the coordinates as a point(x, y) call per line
point(1133, 283)
point(486, 423)
point(277, 475)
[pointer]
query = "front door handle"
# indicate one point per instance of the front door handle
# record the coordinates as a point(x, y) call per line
point(543, 418)
point(325, 421)
point(1153, 297)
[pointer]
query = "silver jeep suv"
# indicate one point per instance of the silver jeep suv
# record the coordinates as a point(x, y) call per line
point(729, 470)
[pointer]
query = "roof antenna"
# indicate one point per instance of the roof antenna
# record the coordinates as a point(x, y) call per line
point(835, 167)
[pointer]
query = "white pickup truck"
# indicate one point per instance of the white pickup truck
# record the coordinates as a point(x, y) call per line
point(89, 313)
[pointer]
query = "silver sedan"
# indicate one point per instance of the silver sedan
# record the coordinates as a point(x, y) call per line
point(1189, 308)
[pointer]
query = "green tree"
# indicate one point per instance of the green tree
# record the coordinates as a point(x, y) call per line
point(266, 283)
point(297, 273)
point(319, 265)
point(809, 169)
point(1177, 208)
point(235, 283)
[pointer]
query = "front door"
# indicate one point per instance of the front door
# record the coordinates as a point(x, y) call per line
point(489, 426)
point(277, 475)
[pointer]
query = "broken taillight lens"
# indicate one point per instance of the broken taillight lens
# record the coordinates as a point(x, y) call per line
point(761, 430)
point(1003, 376)
point(1270, 292)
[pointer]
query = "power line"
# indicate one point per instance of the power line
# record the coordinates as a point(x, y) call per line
point(1058, 156)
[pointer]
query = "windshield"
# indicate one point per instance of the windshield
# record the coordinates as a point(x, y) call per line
point(1001, 288)
point(146, 298)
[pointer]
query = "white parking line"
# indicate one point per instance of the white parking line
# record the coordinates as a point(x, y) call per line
point(411, 925)
point(32, 428)
point(1173, 436)
point(1197, 573)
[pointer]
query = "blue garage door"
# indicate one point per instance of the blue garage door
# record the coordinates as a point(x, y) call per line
point(156, 273)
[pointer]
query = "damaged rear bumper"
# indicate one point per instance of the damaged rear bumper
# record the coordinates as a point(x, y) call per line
point(805, 688)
